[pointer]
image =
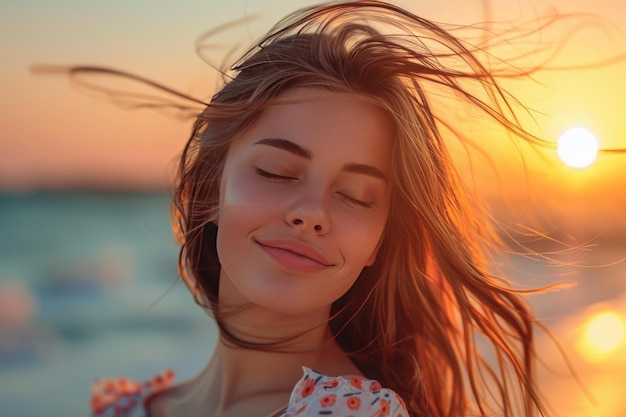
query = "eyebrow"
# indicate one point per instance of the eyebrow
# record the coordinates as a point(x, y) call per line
point(287, 145)
point(366, 170)
point(294, 148)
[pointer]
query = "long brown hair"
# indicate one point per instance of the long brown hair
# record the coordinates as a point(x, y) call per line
point(412, 320)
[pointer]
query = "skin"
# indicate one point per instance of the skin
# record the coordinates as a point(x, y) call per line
point(304, 199)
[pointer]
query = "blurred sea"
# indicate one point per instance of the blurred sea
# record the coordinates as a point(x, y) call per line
point(89, 288)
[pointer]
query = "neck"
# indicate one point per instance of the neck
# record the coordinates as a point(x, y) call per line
point(264, 378)
point(237, 378)
point(259, 377)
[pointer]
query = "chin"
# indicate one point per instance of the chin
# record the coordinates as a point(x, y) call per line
point(294, 306)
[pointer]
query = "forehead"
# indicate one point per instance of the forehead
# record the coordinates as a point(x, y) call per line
point(319, 116)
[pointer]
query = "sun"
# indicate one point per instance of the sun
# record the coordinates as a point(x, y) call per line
point(577, 147)
point(605, 332)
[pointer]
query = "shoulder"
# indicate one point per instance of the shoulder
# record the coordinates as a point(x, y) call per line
point(124, 397)
point(316, 394)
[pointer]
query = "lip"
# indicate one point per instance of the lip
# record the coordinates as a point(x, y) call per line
point(295, 254)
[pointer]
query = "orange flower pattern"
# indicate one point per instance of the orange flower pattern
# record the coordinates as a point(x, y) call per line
point(314, 395)
point(328, 400)
point(354, 403)
point(123, 397)
point(343, 396)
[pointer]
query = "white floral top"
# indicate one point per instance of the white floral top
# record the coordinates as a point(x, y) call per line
point(344, 396)
point(313, 395)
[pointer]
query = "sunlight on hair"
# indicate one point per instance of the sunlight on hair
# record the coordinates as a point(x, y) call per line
point(577, 147)
point(604, 334)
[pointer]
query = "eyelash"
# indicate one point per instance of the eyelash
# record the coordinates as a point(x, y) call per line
point(282, 178)
point(356, 202)
point(274, 177)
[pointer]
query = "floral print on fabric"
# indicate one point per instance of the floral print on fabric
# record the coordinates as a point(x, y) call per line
point(123, 397)
point(314, 395)
point(345, 396)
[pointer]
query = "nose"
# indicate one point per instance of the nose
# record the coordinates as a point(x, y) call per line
point(309, 216)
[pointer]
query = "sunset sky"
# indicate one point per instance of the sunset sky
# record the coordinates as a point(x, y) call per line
point(88, 276)
point(53, 136)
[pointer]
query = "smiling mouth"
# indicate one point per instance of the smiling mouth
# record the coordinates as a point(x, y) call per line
point(293, 260)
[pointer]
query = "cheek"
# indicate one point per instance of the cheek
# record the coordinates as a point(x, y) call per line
point(237, 190)
point(229, 233)
point(360, 240)
point(362, 235)
point(244, 207)
point(242, 187)
point(235, 250)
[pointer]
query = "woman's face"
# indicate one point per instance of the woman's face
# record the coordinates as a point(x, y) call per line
point(304, 199)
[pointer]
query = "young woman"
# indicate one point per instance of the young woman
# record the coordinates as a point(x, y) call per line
point(323, 225)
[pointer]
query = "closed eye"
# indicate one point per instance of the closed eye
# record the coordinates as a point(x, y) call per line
point(274, 177)
point(355, 202)
point(285, 178)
